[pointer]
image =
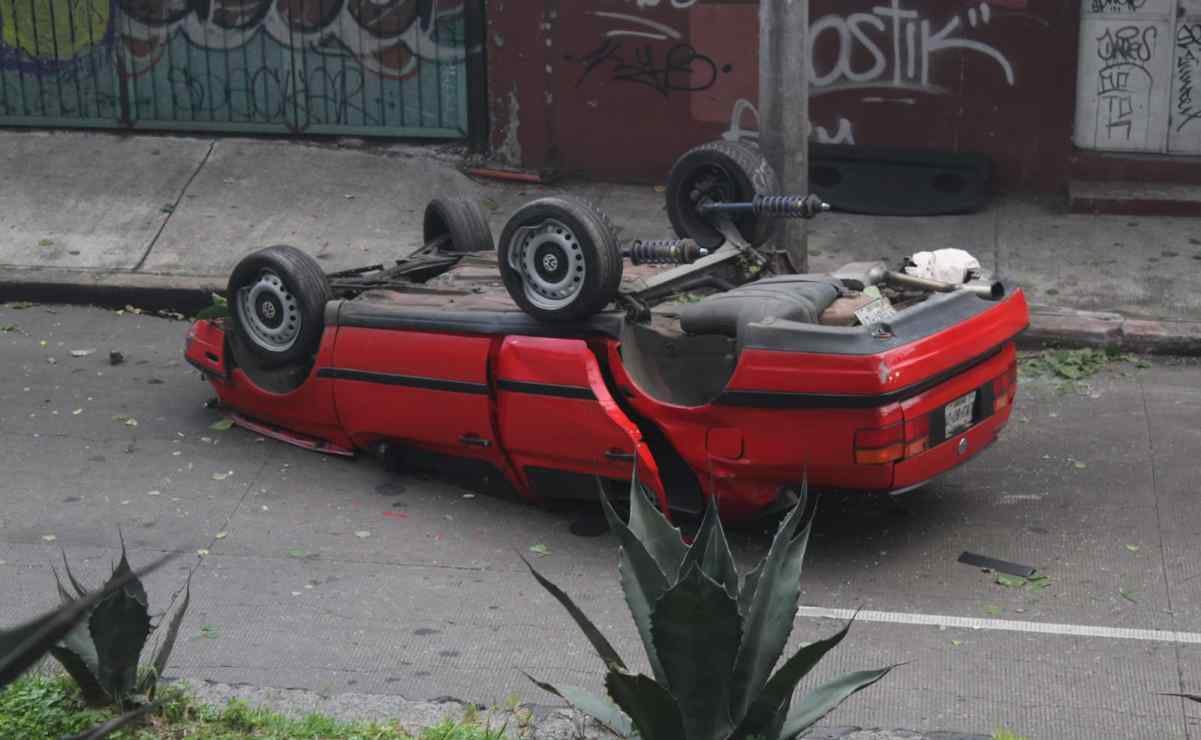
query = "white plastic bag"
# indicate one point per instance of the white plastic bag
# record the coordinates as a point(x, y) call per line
point(945, 265)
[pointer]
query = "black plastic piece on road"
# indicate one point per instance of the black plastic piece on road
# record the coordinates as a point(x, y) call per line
point(1001, 566)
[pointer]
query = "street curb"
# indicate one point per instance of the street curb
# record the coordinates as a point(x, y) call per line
point(156, 291)
point(1050, 326)
point(1069, 328)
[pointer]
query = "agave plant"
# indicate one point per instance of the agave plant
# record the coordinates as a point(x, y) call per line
point(23, 646)
point(101, 652)
point(711, 638)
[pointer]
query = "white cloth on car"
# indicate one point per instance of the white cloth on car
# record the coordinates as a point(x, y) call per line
point(945, 265)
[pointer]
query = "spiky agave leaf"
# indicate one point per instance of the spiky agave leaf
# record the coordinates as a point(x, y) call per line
point(75, 584)
point(642, 580)
point(773, 701)
point(119, 625)
point(26, 644)
point(662, 540)
point(599, 708)
point(825, 699)
point(650, 706)
point(594, 635)
point(158, 663)
point(697, 630)
point(76, 652)
point(768, 621)
point(711, 552)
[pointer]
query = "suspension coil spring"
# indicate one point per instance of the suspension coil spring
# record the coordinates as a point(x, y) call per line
point(664, 252)
point(780, 206)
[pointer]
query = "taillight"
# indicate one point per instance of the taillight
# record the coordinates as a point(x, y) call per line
point(1004, 388)
point(917, 435)
point(879, 446)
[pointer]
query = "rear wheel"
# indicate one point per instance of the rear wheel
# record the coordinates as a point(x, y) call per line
point(462, 220)
point(724, 171)
point(277, 300)
point(560, 259)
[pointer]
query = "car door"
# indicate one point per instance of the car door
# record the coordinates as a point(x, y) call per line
point(429, 389)
point(556, 415)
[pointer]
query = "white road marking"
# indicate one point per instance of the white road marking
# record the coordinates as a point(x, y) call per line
point(1004, 625)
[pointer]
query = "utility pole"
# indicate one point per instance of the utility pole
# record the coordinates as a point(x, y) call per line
point(784, 115)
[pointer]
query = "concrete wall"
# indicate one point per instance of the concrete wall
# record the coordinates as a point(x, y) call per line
point(618, 88)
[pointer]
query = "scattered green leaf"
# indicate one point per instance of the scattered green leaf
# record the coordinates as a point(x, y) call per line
point(1037, 583)
point(993, 611)
point(20, 305)
point(297, 552)
point(222, 425)
point(540, 550)
point(1127, 595)
point(1009, 581)
point(1132, 548)
point(209, 631)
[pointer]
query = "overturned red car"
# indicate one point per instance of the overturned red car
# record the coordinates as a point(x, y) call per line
point(722, 374)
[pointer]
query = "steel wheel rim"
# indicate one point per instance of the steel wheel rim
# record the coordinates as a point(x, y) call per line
point(270, 313)
point(551, 262)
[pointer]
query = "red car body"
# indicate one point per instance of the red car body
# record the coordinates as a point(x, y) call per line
point(847, 409)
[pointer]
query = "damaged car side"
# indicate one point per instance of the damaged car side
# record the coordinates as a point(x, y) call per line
point(725, 374)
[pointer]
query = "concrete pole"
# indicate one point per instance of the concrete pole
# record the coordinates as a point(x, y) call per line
point(784, 114)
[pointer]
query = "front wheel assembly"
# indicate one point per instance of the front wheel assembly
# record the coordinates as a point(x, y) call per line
point(720, 172)
point(277, 300)
point(559, 259)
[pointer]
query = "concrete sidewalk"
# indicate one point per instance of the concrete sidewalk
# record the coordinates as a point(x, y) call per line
point(161, 220)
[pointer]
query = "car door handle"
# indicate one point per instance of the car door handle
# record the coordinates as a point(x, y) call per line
point(474, 440)
point(621, 455)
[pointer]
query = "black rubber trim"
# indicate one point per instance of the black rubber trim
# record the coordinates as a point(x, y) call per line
point(789, 400)
point(408, 381)
point(370, 314)
point(546, 389)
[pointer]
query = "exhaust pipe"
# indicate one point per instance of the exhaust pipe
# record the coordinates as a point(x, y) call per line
point(992, 291)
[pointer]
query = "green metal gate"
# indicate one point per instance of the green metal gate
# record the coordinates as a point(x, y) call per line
point(360, 67)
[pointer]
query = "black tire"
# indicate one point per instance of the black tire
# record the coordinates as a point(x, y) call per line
point(463, 220)
point(574, 245)
point(721, 170)
point(288, 291)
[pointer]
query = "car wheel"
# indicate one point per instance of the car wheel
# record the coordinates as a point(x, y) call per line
point(277, 300)
point(724, 171)
point(463, 220)
point(560, 259)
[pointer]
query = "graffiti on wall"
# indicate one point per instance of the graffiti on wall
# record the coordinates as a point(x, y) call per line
point(1187, 97)
point(901, 45)
point(296, 63)
point(645, 52)
point(1125, 81)
point(745, 112)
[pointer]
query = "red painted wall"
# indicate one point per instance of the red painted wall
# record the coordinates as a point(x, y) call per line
point(618, 88)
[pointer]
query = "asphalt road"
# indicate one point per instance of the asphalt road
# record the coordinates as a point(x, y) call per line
point(338, 576)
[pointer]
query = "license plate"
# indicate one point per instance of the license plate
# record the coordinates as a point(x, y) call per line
point(958, 413)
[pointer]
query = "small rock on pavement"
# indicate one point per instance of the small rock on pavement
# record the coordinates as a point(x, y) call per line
point(116, 358)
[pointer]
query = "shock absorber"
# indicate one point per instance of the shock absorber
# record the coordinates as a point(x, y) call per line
point(770, 206)
point(664, 252)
